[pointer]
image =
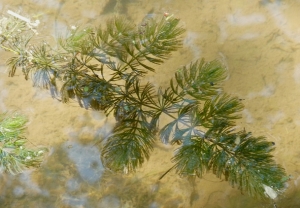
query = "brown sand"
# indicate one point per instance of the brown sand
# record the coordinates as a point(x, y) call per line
point(259, 41)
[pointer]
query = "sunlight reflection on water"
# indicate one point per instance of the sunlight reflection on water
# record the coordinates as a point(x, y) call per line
point(73, 174)
point(87, 160)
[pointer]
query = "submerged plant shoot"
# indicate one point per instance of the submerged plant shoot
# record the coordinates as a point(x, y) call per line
point(15, 157)
point(103, 68)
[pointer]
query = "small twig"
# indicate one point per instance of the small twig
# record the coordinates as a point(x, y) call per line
point(30, 24)
point(35, 24)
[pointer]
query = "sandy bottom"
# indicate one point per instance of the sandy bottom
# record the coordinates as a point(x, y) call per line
point(259, 41)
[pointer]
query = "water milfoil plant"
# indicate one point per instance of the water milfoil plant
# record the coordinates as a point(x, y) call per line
point(15, 156)
point(103, 68)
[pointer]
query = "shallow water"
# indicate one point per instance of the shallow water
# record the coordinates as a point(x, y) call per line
point(259, 41)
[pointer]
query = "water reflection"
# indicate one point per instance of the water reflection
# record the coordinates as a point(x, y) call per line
point(73, 176)
point(86, 159)
point(259, 41)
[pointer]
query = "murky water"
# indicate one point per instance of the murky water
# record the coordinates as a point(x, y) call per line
point(259, 41)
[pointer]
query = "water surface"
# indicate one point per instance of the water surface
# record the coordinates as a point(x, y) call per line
point(259, 42)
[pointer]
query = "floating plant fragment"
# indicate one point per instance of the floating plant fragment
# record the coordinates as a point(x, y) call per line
point(14, 156)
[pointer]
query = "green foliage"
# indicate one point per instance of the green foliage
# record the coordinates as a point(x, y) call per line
point(102, 68)
point(14, 37)
point(14, 156)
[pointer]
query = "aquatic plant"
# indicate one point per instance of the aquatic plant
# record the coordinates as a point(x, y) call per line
point(103, 69)
point(15, 157)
